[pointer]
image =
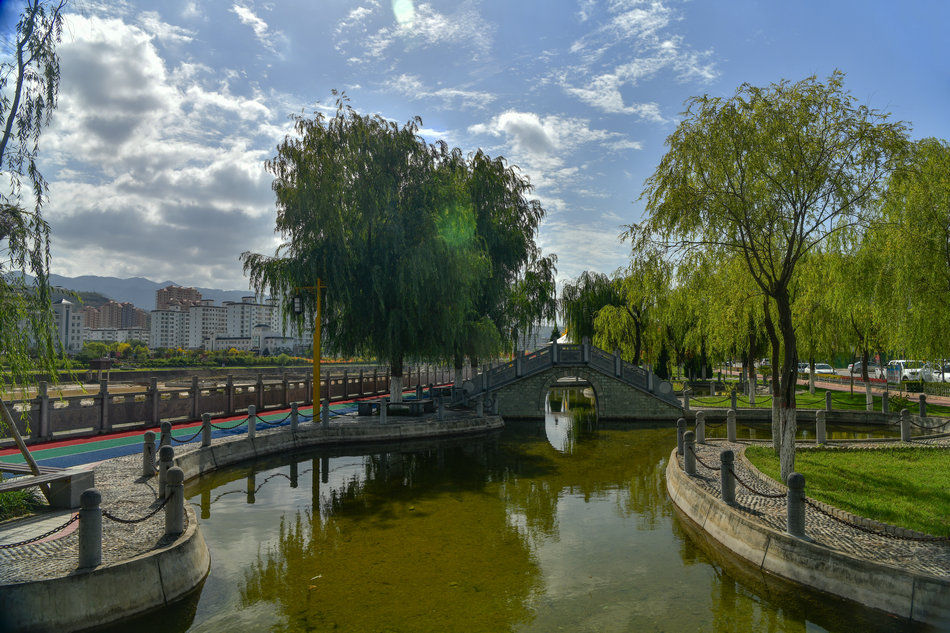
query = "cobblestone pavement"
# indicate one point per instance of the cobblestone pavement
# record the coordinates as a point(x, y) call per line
point(124, 494)
point(927, 558)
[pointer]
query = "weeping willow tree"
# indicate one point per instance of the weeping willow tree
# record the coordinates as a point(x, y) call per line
point(29, 83)
point(384, 220)
point(517, 288)
point(767, 176)
point(582, 298)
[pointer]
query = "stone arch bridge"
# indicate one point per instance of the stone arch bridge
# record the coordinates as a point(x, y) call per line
point(519, 389)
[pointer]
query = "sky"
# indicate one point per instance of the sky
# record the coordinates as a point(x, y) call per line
point(168, 110)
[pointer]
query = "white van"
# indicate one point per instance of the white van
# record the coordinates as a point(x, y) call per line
point(901, 370)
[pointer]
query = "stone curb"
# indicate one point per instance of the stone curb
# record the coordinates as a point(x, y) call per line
point(912, 596)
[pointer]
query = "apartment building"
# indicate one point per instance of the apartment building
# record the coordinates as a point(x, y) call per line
point(244, 316)
point(116, 335)
point(204, 321)
point(168, 328)
point(176, 296)
point(69, 325)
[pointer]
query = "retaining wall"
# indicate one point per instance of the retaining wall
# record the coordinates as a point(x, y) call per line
point(914, 597)
point(88, 598)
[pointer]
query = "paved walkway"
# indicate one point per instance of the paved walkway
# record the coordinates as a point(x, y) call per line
point(922, 557)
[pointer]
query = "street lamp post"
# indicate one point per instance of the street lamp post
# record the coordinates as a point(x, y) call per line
point(298, 309)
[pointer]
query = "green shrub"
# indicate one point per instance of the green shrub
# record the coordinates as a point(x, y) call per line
point(18, 502)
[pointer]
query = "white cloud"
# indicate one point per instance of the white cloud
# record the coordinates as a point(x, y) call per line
point(423, 26)
point(411, 86)
point(642, 27)
point(155, 168)
point(269, 38)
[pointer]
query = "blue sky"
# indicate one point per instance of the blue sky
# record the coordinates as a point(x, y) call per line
point(168, 109)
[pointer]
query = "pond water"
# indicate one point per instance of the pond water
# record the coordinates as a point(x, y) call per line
point(561, 525)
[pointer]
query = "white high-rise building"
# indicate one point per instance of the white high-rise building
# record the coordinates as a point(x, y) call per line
point(204, 321)
point(243, 317)
point(169, 328)
point(69, 325)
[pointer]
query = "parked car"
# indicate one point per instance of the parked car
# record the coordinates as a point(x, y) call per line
point(936, 372)
point(901, 370)
point(803, 368)
point(820, 368)
point(874, 370)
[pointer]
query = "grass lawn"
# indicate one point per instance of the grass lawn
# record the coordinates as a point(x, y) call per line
point(906, 486)
point(839, 400)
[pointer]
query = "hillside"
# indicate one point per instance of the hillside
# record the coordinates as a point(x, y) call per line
point(137, 290)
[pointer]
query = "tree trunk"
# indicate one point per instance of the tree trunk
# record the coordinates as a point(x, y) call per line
point(865, 355)
point(788, 382)
point(776, 390)
point(458, 369)
point(395, 380)
point(811, 375)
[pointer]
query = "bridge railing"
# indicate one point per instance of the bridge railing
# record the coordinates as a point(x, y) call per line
point(633, 374)
point(535, 360)
point(601, 360)
point(502, 374)
point(570, 353)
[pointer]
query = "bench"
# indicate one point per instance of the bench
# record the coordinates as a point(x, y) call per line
point(65, 484)
point(367, 407)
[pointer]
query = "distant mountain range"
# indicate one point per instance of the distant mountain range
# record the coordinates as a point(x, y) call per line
point(137, 290)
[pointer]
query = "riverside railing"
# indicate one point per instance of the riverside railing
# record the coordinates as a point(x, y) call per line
point(49, 417)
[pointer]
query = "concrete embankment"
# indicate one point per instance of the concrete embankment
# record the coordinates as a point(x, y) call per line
point(916, 597)
point(156, 577)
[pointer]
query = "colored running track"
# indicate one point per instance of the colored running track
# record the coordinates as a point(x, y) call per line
point(91, 450)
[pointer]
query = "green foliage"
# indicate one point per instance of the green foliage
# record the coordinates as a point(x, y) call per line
point(581, 300)
point(18, 502)
point(29, 82)
point(914, 244)
point(417, 245)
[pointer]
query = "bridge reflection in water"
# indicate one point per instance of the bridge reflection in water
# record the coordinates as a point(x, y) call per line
point(562, 522)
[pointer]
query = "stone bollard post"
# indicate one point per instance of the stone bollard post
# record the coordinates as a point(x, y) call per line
point(440, 408)
point(734, 400)
point(251, 421)
point(689, 457)
point(325, 414)
point(923, 405)
point(712, 387)
point(383, 411)
point(727, 480)
point(828, 400)
point(905, 425)
point(166, 458)
point(166, 430)
point(821, 434)
point(680, 430)
point(885, 402)
point(148, 454)
point(419, 392)
point(731, 425)
point(686, 398)
point(175, 508)
point(700, 427)
point(480, 406)
point(294, 417)
point(205, 430)
point(795, 505)
point(90, 528)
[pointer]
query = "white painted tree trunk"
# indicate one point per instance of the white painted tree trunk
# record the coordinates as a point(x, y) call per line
point(395, 388)
point(787, 452)
point(868, 398)
point(776, 426)
point(811, 381)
